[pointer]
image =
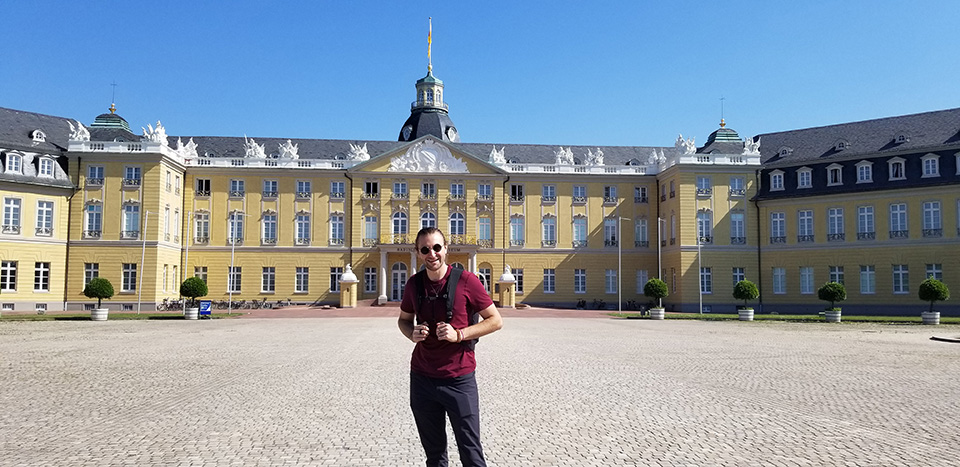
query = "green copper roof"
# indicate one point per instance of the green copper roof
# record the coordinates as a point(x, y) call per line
point(429, 79)
point(724, 135)
point(110, 120)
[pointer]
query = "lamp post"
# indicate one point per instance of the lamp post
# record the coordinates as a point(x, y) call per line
point(143, 256)
point(233, 246)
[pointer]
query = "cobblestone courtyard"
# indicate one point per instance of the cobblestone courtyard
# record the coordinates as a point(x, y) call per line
point(554, 392)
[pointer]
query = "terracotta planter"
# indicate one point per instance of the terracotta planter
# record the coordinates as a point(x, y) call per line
point(657, 313)
point(746, 314)
point(98, 314)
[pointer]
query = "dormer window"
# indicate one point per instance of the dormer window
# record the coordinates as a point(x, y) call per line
point(46, 167)
point(840, 145)
point(804, 177)
point(14, 163)
point(897, 169)
point(118, 140)
point(776, 180)
point(834, 175)
point(931, 165)
point(38, 136)
point(784, 151)
point(864, 172)
point(902, 139)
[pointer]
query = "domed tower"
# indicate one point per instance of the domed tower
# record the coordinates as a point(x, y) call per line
point(723, 140)
point(111, 127)
point(428, 114)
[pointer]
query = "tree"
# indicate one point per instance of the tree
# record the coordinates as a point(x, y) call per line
point(98, 288)
point(193, 287)
point(655, 289)
point(832, 292)
point(932, 290)
point(745, 290)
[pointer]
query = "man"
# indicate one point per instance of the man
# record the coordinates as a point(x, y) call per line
point(442, 381)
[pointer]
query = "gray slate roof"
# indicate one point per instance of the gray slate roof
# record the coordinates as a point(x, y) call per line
point(16, 126)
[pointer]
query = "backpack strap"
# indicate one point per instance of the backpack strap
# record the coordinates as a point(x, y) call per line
point(450, 291)
point(418, 296)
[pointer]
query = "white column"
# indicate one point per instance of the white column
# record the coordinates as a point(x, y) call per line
point(413, 263)
point(472, 262)
point(383, 278)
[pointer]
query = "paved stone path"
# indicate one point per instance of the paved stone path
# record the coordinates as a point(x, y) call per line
point(554, 392)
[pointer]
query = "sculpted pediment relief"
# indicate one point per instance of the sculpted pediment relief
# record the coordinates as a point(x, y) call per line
point(427, 156)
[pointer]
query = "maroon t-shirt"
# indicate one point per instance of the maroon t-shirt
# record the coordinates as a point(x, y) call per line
point(443, 359)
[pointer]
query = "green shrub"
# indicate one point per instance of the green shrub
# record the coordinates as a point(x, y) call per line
point(192, 288)
point(656, 289)
point(745, 290)
point(98, 288)
point(832, 292)
point(932, 290)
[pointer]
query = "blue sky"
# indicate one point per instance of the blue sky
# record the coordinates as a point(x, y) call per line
point(538, 72)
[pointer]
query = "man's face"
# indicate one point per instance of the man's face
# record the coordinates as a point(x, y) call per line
point(433, 260)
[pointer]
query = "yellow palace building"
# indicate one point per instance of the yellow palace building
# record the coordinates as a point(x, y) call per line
point(873, 204)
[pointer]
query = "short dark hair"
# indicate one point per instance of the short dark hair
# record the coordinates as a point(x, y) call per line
point(429, 231)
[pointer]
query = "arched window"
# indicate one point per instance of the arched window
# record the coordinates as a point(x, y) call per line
point(400, 223)
point(457, 224)
point(428, 219)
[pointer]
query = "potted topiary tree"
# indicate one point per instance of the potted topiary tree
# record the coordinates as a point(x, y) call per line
point(745, 290)
point(932, 290)
point(192, 288)
point(832, 292)
point(657, 290)
point(98, 288)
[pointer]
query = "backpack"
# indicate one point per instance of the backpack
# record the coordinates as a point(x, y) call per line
point(448, 293)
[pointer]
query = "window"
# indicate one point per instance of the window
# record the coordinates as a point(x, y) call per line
point(203, 227)
point(200, 272)
point(935, 271)
point(640, 194)
point(269, 228)
point(131, 221)
point(516, 193)
point(804, 178)
point(95, 175)
point(337, 189)
point(456, 190)
point(706, 280)
point(302, 280)
point(778, 230)
point(131, 175)
point(641, 280)
point(739, 274)
point(302, 223)
point(901, 279)
point(336, 229)
point(304, 188)
point(399, 223)
point(234, 278)
point(776, 180)
point(738, 186)
point(738, 233)
point(270, 188)
point(457, 224)
point(90, 271)
point(485, 278)
point(371, 189)
point(579, 193)
point(516, 231)
point(663, 192)
point(371, 230)
point(44, 217)
point(335, 275)
point(673, 191)
point(428, 190)
point(11, 215)
point(370, 280)
point(94, 221)
point(549, 280)
point(779, 280)
point(235, 228)
point(865, 223)
point(579, 281)
point(484, 231)
point(203, 187)
point(704, 186)
point(268, 280)
point(896, 168)
point(610, 194)
point(834, 175)
point(673, 228)
point(868, 280)
point(165, 266)
point(46, 167)
point(865, 172)
point(548, 193)
point(129, 282)
point(610, 280)
point(641, 234)
point(610, 232)
point(8, 276)
point(835, 224)
point(805, 226)
point(169, 183)
point(166, 223)
point(932, 226)
point(806, 280)
point(836, 274)
point(579, 232)
point(14, 163)
point(704, 226)
point(176, 184)
point(237, 188)
point(898, 220)
point(931, 165)
point(518, 273)
point(485, 191)
point(399, 190)
point(428, 219)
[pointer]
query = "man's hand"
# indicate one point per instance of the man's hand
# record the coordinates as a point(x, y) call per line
point(420, 332)
point(446, 332)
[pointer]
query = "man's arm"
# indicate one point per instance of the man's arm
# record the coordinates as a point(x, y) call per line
point(414, 333)
point(492, 322)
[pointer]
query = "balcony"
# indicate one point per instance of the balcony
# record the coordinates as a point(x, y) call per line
point(663, 197)
point(336, 242)
point(201, 240)
point(641, 244)
point(704, 192)
point(370, 196)
point(336, 195)
point(706, 240)
point(430, 197)
point(673, 241)
point(579, 243)
point(370, 242)
point(176, 239)
point(237, 193)
point(610, 243)
point(579, 200)
point(639, 199)
point(268, 241)
point(94, 182)
point(485, 198)
point(400, 239)
point(176, 190)
point(460, 240)
point(548, 243)
point(516, 199)
point(609, 200)
point(10, 229)
point(399, 196)
point(516, 242)
point(738, 240)
point(301, 241)
point(775, 240)
point(548, 199)
point(456, 197)
point(866, 235)
point(169, 187)
point(836, 237)
point(166, 237)
point(129, 234)
point(269, 194)
point(737, 192)
point(485, 243)
point(303, 194)
point(932, 233)
point(91, 234)
point(673, 194)
point(131, 183)
point(234, 240)
point(899, 234)
point(202, 193)
point(805, 238)
point(663, 243)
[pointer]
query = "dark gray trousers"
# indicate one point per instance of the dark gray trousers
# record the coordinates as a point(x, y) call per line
point(432, 400)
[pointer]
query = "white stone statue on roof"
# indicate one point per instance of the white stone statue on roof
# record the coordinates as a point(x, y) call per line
point(155, 135)
point(564, 156)
point(594, 158)
point(254, 150)
point(656, 159)
point(358, 153)
point(80, 133)
point(289, 150)
point(497, 157)
point(751, 148)
point(188, 151)
point(685, 146)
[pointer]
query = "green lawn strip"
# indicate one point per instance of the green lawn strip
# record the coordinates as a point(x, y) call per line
point(793, 318)
point(112, 316)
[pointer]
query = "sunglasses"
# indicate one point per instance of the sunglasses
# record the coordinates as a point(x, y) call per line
point(425, 250)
